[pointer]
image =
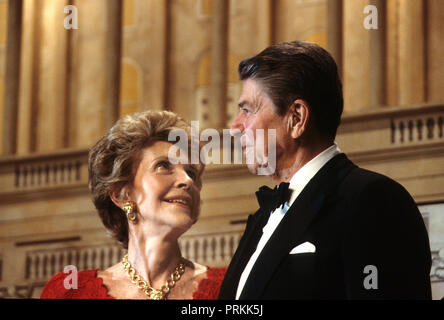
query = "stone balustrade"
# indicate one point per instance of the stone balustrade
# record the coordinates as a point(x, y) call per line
point(437, 270)
point(418, 128)
point(43, 171)
point(41, 265)
point(386, 129)
point(211, 249)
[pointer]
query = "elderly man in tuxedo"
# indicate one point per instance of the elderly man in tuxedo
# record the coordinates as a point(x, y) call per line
point(329, 229)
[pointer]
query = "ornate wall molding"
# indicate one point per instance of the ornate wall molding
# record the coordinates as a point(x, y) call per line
point(437, 272)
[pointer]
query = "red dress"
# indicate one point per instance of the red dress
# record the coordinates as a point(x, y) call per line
point(89, 286)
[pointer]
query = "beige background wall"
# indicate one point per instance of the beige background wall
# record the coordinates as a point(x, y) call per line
point(134, 55)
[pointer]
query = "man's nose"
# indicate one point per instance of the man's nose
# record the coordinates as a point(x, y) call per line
point(237, 127)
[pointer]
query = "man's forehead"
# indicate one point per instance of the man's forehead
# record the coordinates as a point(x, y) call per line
point(253, 87)
point(252, 99)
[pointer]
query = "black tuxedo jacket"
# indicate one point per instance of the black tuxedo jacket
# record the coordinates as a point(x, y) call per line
point(355, 218)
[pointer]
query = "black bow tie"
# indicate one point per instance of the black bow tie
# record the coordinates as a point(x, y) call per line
point(270, 199)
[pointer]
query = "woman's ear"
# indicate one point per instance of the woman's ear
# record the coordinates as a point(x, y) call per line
point(115, 197)
point(297, 118)
point(119, 197)
point(122, 200)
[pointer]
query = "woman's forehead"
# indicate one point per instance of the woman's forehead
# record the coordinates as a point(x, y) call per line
point(165, 149)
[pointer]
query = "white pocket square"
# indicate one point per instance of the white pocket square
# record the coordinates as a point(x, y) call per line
point(303, 248)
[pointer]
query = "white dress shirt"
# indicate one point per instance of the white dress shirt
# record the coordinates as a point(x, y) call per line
point(297, 183)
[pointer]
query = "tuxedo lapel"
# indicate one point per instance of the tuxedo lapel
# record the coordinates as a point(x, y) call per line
point(247, 245)
point(295, 223)
point(253, 233)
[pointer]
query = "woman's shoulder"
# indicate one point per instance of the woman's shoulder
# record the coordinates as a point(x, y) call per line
point(209, 286)
point(216, 274)
point(82, 284)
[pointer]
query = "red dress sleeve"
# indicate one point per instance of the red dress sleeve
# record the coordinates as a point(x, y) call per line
point(89, 286)
point(208, 288)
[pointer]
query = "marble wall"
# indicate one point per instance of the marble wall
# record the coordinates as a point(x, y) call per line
point(3, 22)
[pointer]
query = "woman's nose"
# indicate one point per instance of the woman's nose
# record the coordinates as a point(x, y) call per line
point(183, 180)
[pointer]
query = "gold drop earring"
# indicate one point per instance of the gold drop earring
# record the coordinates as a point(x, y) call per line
point(128, 207)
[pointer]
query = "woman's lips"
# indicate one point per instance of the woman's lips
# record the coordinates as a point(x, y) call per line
point(183, 203)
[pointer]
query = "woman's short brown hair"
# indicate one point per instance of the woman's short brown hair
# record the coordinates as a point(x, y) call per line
point(115, 157)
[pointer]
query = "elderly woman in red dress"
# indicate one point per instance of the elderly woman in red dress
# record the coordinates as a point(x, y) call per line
point(146, 201)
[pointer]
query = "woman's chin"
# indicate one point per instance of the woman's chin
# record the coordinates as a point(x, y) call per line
point(182, 221)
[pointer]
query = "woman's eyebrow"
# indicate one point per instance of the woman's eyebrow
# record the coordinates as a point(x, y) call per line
point(194, 167)
point(160, 157)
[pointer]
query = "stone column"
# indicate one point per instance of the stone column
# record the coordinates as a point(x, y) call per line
point(219, 55)
point(112, 62)
point(51, 75)
point(356, 67)
point(435, 50)
point(70, 85)
point(88, 80)
point(158, 91)
point(392, 53)
point(334, 31)
point(29, 84)
point(411, 52)
point(12, 76)
point(265, 24)
point(377, 57)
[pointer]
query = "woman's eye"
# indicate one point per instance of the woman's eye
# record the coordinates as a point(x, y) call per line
point(163, 165)
point(192, 174)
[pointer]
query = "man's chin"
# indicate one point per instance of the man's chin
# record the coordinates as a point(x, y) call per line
point(262, 170)
point(253, 168)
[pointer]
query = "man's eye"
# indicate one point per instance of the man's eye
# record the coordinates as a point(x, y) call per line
point(245, 110)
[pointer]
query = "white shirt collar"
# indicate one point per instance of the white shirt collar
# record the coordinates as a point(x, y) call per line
point(303, 176)
point(297, 183)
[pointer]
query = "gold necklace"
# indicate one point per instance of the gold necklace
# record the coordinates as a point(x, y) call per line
point(152, 293)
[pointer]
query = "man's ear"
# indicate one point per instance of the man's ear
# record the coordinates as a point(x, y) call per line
point(298, 116)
